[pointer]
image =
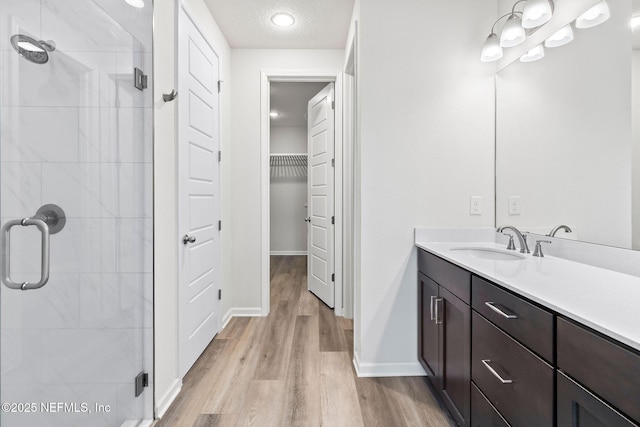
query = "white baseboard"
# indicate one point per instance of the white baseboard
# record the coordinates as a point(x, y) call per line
point(240, 312)
point(168, 398)
point(288, 253)
point(403, 369)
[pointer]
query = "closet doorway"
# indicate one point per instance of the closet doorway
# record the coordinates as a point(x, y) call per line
point(301, 146)
point(289, 171)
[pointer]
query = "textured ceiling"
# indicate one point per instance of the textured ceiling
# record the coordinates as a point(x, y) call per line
point(320, 24)
point(290, 100)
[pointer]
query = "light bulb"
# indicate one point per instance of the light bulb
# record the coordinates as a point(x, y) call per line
point(534, 54)
point(561, 37)
point(536, 13)
point(491, 51)
point(512, 32)
point(594, 16)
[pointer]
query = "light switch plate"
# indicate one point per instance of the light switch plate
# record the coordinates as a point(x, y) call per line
point(475, 207)
point(514, 205)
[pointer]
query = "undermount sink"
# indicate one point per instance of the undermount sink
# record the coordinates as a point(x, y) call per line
point(489, 253)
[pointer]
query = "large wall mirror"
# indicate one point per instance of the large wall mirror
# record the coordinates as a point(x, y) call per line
point(568, 134)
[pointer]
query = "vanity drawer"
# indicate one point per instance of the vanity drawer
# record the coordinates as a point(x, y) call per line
point(609, 370)
point(455, 279)
point(517, 382)
point(483, 414)
point(529, 324)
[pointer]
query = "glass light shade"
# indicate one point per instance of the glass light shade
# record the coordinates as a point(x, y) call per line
point(282, 19)
point(561, 37)
point(536, 13)
point(594, 16)
point(534, 54)
point(136, 3)
point(491, 51)
point(512, 32)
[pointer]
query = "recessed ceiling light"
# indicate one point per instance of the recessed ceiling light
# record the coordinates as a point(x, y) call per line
point(274, 114)
point(282, 19)
point(136, 3)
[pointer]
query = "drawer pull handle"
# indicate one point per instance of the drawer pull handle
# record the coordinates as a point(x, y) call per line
point(433, 297)
point(487, 365)
point(437, 319)
point(500, 311)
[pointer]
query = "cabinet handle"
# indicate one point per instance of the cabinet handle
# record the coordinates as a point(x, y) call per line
point(437, 319)
point(487, 365)
point(433, 297)
point(501, 312)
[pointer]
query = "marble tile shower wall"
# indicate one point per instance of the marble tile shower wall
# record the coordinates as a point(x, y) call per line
point(75, 132)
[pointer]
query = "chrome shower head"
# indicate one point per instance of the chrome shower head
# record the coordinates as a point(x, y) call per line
point(33, 50)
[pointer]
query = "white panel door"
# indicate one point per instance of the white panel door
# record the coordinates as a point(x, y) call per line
point(199, 193)
point(320, 140)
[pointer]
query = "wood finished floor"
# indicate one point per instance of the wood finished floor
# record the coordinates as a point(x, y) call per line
point(294, 368)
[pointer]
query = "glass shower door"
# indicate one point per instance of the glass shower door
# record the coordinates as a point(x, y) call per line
point(76, 308)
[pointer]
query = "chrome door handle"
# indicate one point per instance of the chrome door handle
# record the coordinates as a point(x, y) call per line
point(6, 247)
point(437, 316)
point(188, 239)
point(501, 312)
point(487, 365)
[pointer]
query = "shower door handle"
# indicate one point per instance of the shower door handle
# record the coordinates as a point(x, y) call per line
point(6, 261)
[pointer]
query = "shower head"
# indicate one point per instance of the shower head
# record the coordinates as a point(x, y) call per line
point(31, 49)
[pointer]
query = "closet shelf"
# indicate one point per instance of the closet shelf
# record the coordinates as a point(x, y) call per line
point(288, 159)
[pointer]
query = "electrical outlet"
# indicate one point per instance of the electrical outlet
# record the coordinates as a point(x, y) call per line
point(514, 205)
point(475, 207)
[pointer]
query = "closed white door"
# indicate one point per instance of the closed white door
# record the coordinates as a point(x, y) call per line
point(199, 193)
point(320, 140)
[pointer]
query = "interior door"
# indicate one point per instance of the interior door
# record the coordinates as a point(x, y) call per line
point(320, 140)
point(199, 193)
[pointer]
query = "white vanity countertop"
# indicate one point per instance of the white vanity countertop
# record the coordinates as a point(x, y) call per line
point(602, 299)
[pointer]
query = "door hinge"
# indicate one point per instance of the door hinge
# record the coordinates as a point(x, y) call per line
point(219, 225)
point(140, 79)
point(219, 156)
point(333, 163)
point(333, 105)
point(333, 220)
point(141, 381)
point(333, 277)
point(220, 85)
point(219, 294)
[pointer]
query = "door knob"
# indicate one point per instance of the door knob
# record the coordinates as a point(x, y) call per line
point(188, 239)
point(308, 219)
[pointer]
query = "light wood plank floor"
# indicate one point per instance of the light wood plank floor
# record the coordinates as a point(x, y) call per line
point(294, 368)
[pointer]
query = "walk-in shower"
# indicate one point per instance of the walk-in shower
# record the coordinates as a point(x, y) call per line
point(76, 240)
point(31, 49)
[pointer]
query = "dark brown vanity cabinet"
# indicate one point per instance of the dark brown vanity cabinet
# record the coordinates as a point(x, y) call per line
point(445, 332)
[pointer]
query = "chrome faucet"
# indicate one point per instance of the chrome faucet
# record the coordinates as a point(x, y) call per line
point(524, 249)
point(558, 228)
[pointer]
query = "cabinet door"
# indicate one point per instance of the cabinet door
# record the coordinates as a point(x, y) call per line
point(577, 407)
point(454, 319)
point(427, 328)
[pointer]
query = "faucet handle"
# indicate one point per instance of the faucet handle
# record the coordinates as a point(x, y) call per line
point(511, 246)
point(538, 250)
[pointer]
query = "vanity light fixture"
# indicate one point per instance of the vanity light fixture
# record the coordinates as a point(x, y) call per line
point(561, 37)
point(512, 33)
point(282, 19)
point(536, 13)
point(534, 54)
point(135, 3)
point(491, 51)
point(594, 16)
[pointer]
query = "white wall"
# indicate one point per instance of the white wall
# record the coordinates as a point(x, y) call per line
point(244, 183)
point(288, 193)
point(426, 145)
point(564, 135)
point(166, 231)
point(635, 149)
